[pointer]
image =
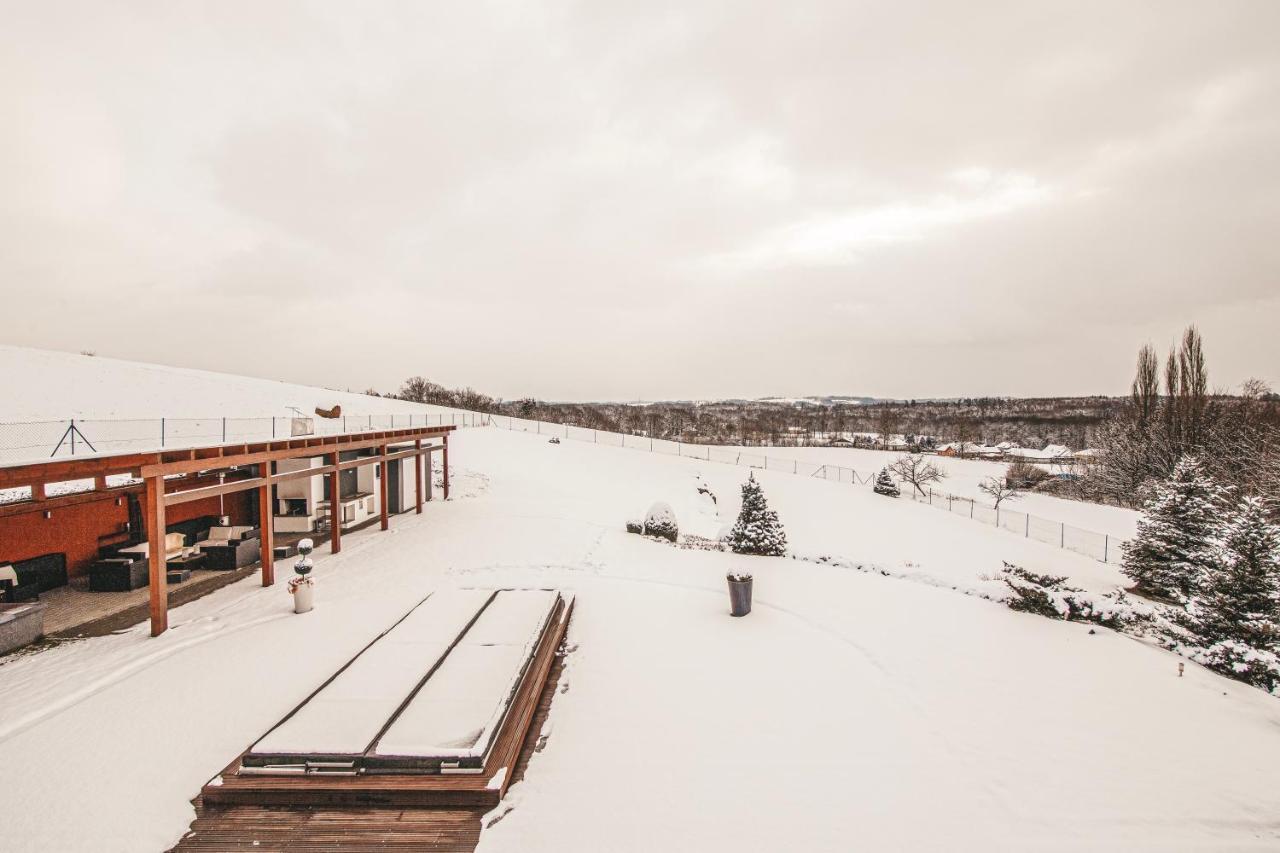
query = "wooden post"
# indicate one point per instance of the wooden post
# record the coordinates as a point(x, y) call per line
point(444, 455)
point(266, 528)
point(382, 489)
point(159, 580)
point(417, 477)
point(335, 508)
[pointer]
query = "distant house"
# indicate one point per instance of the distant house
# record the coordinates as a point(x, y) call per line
point(840, 441)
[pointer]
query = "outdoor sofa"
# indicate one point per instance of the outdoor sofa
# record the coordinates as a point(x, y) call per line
point(228, 548)
point(119, 574)
point(129, 568)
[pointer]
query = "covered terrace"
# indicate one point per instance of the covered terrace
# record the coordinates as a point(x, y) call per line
point(164, 485)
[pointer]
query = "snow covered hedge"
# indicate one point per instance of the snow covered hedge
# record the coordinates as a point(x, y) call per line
point(1049, 596)
point(661, 522)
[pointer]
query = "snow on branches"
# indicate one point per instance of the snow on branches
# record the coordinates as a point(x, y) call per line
point(757, 530)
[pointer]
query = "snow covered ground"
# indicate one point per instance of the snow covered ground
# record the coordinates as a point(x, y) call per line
point(851, 708)
point(39, 385)
point(963, 477)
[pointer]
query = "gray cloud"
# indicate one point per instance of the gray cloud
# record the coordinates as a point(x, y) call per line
point(590, 201)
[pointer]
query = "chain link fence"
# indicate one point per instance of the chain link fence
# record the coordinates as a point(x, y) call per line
point(1100, 546)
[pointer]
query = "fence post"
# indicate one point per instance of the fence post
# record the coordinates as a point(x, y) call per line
point(162, 432)
point(595, 436)
point(997, 516)
point(795, 466)
point(971, 507)
point(1106, 546)
point(72, 431)
point(224, 430)
point(1027, 519)
point(1062, 540)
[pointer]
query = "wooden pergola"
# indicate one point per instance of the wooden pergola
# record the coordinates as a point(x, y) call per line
point(161, 472)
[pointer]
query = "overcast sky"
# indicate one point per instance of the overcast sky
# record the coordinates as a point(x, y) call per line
point(587, 201)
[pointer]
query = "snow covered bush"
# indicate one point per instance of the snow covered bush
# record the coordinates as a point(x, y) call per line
point(661, 522)
point(1023, 475)
point(635, 525)
point(1243, 662)
point(1240, 597)
point(1235, 617)
point(757, 530)
point(1049, 596)
point(885, 484)
point(1177, 535)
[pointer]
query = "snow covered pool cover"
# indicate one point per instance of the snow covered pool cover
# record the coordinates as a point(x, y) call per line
point(345, 715)
point(436, 686)
point(460, 708)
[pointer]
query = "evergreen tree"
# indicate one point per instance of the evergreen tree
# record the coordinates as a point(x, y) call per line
point(1241, 596)
point(885, 484)
point(1177, 534)
point(757, 530)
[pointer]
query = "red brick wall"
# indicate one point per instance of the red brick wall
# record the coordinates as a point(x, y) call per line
point(74, 530)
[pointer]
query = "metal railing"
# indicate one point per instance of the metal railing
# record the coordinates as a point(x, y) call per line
point(34, 441)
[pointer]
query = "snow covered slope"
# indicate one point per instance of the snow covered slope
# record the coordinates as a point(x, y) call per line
point(888, 710)
point(40, 385)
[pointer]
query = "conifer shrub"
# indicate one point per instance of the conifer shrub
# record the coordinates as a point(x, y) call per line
point(885, 484)
point(757, 530)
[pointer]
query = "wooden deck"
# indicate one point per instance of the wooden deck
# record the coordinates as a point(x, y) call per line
point(364, 813)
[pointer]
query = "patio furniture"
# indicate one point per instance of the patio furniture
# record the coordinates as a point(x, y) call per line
point(177, 575)
point(48, 571)
point(282, 552)
point(175, 545)
point(189, 560)
point(118, 574)
point(230, 547)
point(11, 590)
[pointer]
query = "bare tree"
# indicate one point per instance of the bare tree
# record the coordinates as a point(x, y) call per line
point(915, 469)
point(1146, 385)
point(998, 490)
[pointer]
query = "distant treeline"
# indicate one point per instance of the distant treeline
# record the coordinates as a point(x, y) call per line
point(1073, 421)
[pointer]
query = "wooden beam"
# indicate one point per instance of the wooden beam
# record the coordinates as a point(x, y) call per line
point(335, 509)
point(383, 491)
point(350, 441)
point(417, 476)
point(189, 495)
point(159, 582)
point(63, 470)
point(445, 461)
point(266, 527)
point(49, 504)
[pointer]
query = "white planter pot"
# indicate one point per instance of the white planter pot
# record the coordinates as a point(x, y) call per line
point(302, 597)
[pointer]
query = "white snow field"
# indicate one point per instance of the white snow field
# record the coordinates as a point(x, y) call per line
point(850, 710)
point(963, 477)
point(38, 385)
